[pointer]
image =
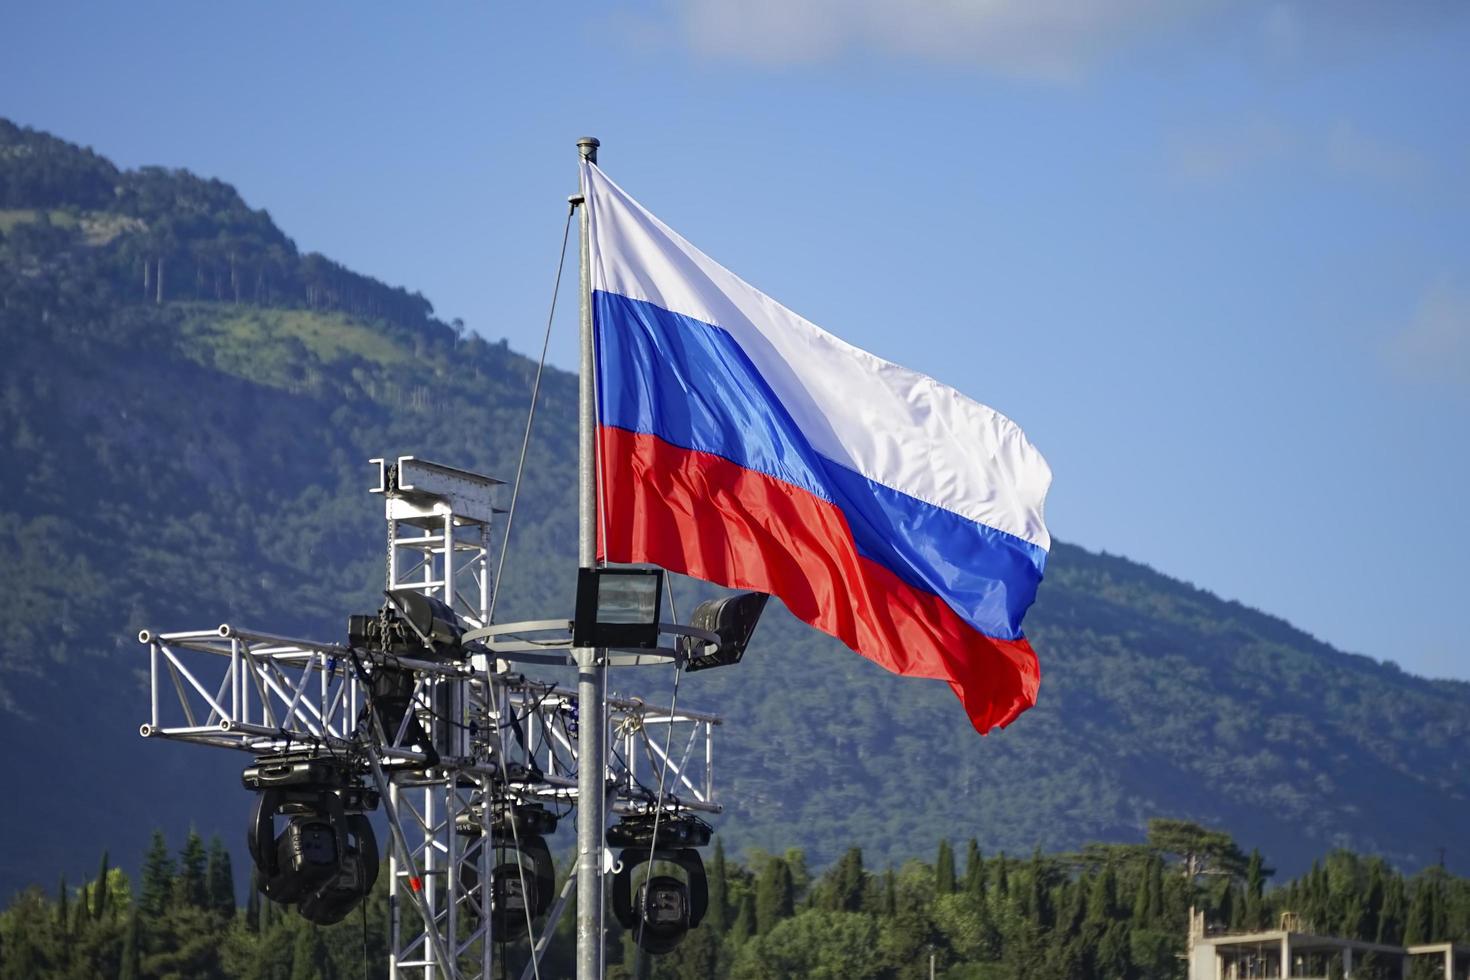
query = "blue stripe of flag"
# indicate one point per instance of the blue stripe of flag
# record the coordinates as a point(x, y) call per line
point(689, 383)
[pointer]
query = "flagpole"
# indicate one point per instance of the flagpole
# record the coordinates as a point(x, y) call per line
point(591, 667)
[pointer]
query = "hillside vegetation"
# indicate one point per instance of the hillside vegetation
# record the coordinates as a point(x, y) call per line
point(1108, 912)
point(187, 405)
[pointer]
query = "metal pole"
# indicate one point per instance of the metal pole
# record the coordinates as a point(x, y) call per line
point(591, 669)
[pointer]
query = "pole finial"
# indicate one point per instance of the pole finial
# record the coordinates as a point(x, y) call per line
point(587, 146)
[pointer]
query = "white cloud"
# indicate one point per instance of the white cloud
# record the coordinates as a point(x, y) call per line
point(1051, 40)
point(1435, 345)
point(1214, 153)
point(1229, 148)
point(1351, 152)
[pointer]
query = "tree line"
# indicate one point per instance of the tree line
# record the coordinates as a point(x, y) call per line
point(1106, 912)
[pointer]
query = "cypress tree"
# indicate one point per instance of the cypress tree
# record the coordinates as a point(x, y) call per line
point(99, 891)
point(1420, 924)
point(192, 888)
point(801, 879)
point(974, 871)
point(220, 880)
point(775, 895)
point(1255, 889)
point(1038, 897)
point(62, 925)
point(252, 903)
point(1373, 901)
point(1391, 919)
point(890, 893)
point(158, 877)
point(1102, 899)
point(132, 966)
point(944, 880)
point(743, 926)
point(849, 882)
point(717, 918)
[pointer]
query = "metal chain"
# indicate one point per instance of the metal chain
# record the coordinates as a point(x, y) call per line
point(388, 491)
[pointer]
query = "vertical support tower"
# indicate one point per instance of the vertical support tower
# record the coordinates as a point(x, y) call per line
point(439, 521)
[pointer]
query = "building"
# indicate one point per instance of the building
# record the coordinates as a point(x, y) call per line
point(1290, 954)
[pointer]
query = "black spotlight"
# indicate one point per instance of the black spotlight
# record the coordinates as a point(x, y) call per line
point(733, 620)
point(665, 907)
point(522, 873)
point(325, 857)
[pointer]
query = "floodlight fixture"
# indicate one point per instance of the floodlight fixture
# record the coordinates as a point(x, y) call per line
point(733, 619)
point(618, 608)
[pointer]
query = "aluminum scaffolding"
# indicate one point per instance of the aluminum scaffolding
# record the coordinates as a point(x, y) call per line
point(495, 737)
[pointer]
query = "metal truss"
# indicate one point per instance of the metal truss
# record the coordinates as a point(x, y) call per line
point(500, 736)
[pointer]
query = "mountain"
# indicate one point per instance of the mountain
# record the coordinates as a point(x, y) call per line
point(187, 404)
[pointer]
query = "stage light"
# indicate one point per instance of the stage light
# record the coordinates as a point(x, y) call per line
point(733, 619)
point(325, 859)
point(617, 608)
point(523, 875)
point(664, 907)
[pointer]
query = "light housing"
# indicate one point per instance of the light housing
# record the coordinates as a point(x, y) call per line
point(664, 907)
point(618, 608)
point(733, 619)
point(325, 859)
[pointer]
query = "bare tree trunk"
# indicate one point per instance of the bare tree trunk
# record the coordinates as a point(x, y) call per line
point(158, 281)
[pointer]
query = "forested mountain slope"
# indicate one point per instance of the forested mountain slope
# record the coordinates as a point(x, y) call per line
point(187, 404)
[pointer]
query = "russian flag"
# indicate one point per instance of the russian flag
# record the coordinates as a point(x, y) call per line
point(741, 444)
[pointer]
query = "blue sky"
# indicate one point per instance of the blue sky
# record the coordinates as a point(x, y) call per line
point(1214, 257)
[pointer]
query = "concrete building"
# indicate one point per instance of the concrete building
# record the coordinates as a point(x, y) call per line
point(1286, 954)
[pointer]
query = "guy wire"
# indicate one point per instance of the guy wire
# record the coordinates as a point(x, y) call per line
point(515, 491)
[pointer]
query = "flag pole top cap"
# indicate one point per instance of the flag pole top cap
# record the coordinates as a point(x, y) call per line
point(588, 145)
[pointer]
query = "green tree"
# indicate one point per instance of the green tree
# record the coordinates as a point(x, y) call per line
point(220, 880)
point(775, 895)
point(132, 951)
point(846, 883)
point(192, 885)
point(718, 916)
point(252, 903)
point(309, 960)
point(99, 891)
point(974, 871)
point(28, 938)
point(944, 876)
point(742, 927)
point(819, 944)
point(158, 877)
point(1256, 874)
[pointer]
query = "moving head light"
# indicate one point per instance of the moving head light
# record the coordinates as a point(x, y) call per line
point(325, 858)
point(665, 905)
point(522, 873)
